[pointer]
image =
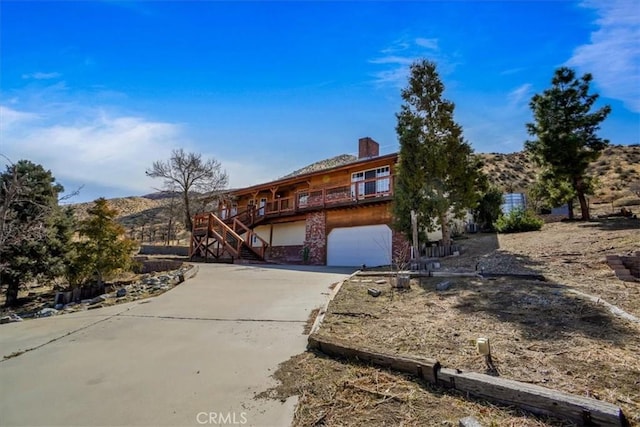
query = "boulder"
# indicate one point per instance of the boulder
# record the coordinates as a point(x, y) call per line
point(46, 312)
point(443, 286)
point(97, 300)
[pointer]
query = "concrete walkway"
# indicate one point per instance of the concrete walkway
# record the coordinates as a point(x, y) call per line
point(195, 355)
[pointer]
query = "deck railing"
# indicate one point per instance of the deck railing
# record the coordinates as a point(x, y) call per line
point(369, 189)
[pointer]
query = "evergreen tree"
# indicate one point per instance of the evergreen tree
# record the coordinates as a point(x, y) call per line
point(551, 191)
point(565, 131)
point(103, 249)
point(34, 232)
point(438, 176)
point(489, 208)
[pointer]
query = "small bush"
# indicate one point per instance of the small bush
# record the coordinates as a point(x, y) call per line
point(517, 221)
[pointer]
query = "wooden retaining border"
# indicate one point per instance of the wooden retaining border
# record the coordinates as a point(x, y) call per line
point(533, 398)
point(421, 368)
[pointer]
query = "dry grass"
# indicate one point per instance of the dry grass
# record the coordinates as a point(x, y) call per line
point(541, 332)
point(573, 254)
point(337, 393)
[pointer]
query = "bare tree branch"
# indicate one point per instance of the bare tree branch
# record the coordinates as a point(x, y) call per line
point(195, 178)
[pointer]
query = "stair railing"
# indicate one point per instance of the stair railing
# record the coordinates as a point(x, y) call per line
point(225, 234)
point(250, 236)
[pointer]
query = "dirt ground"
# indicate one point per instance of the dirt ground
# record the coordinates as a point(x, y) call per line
point(541, 332)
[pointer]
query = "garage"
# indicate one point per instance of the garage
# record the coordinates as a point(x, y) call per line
point(354, 246)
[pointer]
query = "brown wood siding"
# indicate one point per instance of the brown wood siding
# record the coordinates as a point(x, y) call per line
point(369, 215)
point(318, 180)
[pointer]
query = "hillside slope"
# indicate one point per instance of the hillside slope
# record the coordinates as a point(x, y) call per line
point(615, 171)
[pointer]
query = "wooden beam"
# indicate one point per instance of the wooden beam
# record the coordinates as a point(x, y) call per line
point(534, 398)
point(422, 368)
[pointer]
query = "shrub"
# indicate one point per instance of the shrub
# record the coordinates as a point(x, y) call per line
point(489, 208)
point(517, 221)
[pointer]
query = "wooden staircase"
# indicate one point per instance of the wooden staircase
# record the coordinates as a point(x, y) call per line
point(215, 238)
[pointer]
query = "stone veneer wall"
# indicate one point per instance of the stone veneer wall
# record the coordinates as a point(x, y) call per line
point(316, 237)
point(627, 268)
point(285, 254)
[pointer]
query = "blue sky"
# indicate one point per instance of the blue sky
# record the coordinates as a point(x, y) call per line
point(96, 91)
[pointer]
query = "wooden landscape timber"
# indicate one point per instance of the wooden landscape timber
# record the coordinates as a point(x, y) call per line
point(420, 367)
point(533, 398)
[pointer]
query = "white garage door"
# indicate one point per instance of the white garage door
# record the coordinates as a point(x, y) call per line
point(354, 246)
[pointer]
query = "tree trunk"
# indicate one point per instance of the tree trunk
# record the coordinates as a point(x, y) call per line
point(168, 242)
point(12, 293)
point(188, 223)
point(446, 230)
point(584, 206)
point(570, 208)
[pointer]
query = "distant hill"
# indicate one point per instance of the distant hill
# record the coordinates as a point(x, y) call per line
point(617, 168)
point(332, 162)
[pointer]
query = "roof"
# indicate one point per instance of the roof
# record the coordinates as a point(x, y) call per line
point(315, 169)
point(325, 164)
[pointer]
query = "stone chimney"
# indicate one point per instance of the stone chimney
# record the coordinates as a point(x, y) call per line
point(367, 147)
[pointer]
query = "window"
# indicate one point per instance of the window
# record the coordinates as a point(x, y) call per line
point(371, 182)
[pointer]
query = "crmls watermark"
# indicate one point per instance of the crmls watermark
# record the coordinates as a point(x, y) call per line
point(222, 418)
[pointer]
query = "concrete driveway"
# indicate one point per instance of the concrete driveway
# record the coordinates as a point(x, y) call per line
point(195, 355)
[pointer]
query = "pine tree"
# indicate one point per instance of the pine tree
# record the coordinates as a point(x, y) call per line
point(566, 131)
point(103, 249)
point(438, 177)
point(34, 232)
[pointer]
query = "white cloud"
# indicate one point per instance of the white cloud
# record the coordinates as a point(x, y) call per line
point(106, 151)
point(613, 54)
point(511, 71)
point(41, 76)
point(10, 117)
point(431, 44)
point(97, 149)
point(393, 59)
point(520, 96)
point(398, 57)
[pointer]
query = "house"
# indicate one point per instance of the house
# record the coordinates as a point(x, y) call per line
point(339, 216)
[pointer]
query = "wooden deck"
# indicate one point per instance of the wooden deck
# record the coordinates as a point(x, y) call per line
point(376, 190)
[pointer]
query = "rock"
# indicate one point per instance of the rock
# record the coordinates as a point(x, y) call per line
point(469, 422)
point(97, 300)
point(58, 306)
point(443, 286)
point(92, 307)
point(46, 312)
point(10, 318)
point(374, 292)
point(151, 281)
point(381, 282)
point(121, 292)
